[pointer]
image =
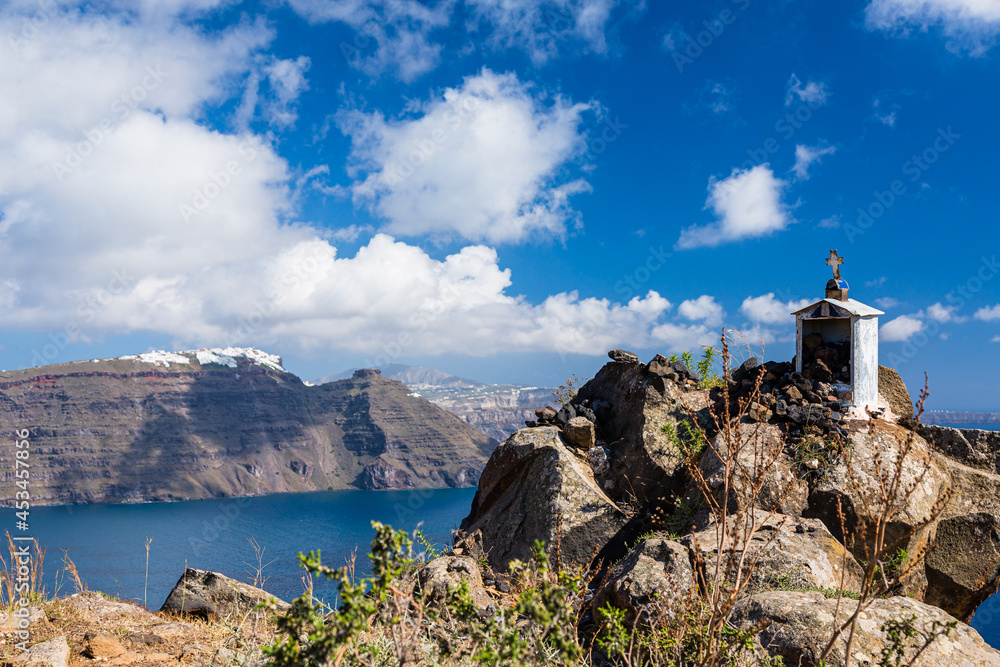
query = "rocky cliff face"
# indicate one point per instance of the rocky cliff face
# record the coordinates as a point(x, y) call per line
point(206, 424)
point(806, 475)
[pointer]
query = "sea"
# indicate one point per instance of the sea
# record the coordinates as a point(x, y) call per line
point(107, 544)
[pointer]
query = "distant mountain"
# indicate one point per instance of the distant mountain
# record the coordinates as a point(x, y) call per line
point(954, 417)
point(495, 409)
point(218, 423)
point(414, 377)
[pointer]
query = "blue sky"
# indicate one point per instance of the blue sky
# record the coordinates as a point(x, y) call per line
point(498, 188)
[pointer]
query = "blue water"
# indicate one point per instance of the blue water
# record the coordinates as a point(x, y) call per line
point(107, 542)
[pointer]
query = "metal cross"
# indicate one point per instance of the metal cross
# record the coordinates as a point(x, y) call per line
point(835, 262)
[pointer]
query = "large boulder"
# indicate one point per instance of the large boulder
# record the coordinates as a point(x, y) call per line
point(759, 461)
point(963, 568)
point(213, 596)
point(789, 552)
point(855, 480)
point(632, 406)
point(51, 653)
point(893, 390)
point(651, 583)
point(798, 625)
point(444, 575)
point(535, 488)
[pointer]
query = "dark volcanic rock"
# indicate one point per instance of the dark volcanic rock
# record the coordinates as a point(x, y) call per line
point(535, 488)
point(623, 356)
point(634, 420)
point(123, 430)
point(650, 583)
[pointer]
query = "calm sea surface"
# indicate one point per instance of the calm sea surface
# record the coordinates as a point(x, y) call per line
point(107, 542)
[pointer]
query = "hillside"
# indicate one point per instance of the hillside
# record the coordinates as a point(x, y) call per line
point(206, 424)
point(495, 409)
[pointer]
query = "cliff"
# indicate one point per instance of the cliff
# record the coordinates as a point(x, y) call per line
point(497, 410)
point(206, 424)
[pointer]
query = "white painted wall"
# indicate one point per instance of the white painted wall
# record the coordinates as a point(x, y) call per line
point(864, 361)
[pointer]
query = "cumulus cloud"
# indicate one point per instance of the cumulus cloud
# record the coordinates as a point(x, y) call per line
point(805, 156)
point(120, 212)
point(988, 313)
point(942, 313)
point(747, 204)
point(767, 309)
point(478, 162)
point(969, 25)
point(900, 329)
point(541, 27)
point(704, 308)
point(813, 93)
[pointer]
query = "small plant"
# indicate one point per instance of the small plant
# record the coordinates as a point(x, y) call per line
point(566, 392)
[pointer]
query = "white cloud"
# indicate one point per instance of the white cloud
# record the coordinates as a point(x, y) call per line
point(540, 27)
point(812, 93)
point(747, 204)
point(900, 329)
point(876, 282)
point(479, 162)
point(942, 313)
point(988, 314)
point(703, 308)
point(833, 222)
point(995, 339)
point(160, 224)
point(389, 34)
point(969, 25)
point(886, 302)
point(805, 156)
point(766, 309)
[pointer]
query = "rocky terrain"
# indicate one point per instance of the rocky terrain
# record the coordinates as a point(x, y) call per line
point(497, 410)
point(218, 423)
point(604, 481)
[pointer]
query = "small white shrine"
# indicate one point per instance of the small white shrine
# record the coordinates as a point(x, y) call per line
point(839, 336)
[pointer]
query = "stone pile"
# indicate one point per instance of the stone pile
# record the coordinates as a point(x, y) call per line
point(826, 362)
point(785, 397)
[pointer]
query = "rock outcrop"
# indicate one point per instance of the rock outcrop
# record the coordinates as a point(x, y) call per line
point(811, 474)
point(798, 625)
point(651, 583)
point(212, 596)
point(178, 426)
point(535, 488)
